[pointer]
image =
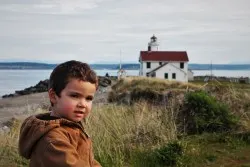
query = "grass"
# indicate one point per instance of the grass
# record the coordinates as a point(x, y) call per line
point(144, 134)
point(143, 83)
point(117, 149)
point(133, 89)
point(8, 147)
point(224, 84)
point(215, 150)
point(130, 136)
point(127, 130)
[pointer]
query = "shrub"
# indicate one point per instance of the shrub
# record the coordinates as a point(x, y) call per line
point(202, 113)
point(167, 155)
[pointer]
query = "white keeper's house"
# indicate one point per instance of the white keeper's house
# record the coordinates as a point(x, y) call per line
point(171, 65)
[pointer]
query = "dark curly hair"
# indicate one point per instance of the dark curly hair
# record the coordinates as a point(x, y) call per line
point(62, 74)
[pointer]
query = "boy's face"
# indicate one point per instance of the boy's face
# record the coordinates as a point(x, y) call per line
point(75, 102)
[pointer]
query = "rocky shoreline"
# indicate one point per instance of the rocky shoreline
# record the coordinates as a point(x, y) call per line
point(42, 86)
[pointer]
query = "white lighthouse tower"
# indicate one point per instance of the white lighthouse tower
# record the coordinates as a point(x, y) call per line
point(153, 44)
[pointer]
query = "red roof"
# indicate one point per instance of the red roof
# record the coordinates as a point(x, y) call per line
point(164, 56)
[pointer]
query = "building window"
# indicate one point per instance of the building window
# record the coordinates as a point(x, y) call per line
point(166, 75)
point(173, 76)
point(182, 65)
point(148, 65)
point(149, 48)
point(160, 63)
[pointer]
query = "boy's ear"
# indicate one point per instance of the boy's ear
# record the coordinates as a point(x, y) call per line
point(52, 96)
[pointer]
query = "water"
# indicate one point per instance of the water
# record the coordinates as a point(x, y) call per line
point(11, 80)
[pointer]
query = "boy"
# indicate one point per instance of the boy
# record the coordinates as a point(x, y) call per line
point(58, 139)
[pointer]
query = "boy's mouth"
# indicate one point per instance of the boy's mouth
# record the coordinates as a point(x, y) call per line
point(79, 112)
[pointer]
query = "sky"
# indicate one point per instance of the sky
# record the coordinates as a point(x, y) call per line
point(100, 31)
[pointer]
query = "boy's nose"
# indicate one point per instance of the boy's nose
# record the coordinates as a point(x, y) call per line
point(82, 103)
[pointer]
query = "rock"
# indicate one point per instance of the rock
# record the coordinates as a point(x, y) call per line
point(8, 95)
point(104, 81)
point(42, 86)
point(4, 130)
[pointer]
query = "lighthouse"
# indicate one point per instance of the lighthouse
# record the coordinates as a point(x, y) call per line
point(153, 44)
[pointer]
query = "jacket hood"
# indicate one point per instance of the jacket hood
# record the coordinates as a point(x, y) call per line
point(35, 127)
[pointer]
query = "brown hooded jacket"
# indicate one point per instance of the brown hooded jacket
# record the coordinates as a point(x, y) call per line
point(56, 142)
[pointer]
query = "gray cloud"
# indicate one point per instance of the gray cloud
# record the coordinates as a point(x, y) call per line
point(96, 30)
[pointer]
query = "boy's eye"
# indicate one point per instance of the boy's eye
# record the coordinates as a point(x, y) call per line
point(90, 98)
point(74, 95)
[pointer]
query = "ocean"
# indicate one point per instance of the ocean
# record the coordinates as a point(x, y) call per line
point(12, 80)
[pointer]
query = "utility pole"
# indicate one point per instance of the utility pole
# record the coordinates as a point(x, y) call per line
point(211, 68)
point(119, 75)
point(120, 59)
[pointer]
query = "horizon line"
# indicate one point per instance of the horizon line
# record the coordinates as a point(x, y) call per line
point(107, 63)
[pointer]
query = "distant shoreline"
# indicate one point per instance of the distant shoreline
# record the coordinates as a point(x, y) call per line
point(131, 66)
point(128, 69)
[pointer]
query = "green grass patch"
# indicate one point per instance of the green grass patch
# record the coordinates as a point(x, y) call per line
point(215, 150)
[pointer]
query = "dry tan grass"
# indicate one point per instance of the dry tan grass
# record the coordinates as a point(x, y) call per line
point(151, 89)
point(118, 130)
point(152, 83)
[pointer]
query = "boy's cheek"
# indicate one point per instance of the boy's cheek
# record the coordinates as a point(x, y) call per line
point(68, 107)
